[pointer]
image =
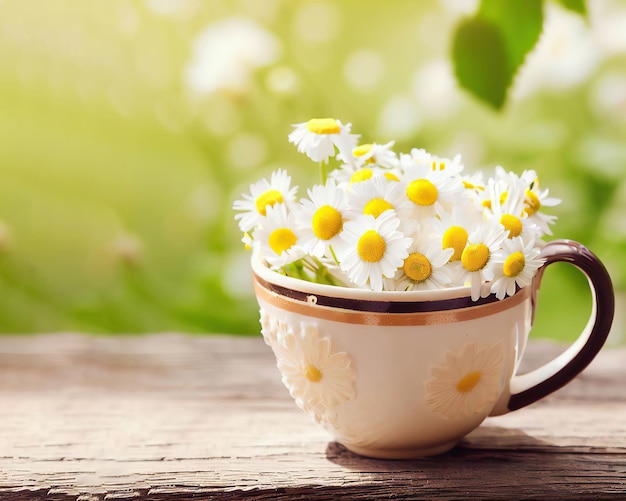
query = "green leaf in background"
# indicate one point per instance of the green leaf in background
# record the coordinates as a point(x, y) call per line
point(575, 5)
point(496, 40)
point(480, 61)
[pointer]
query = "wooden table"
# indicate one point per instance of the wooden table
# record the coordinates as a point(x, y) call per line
point(170, 416)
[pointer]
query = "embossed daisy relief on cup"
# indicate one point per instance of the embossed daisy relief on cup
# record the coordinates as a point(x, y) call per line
point(467, 382)
point(318, 378)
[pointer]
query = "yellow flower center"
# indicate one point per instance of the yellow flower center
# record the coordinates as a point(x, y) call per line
point(390, 176)
point(514, 264)
point(422, 192)
point(475, 257)
point(361, 150)
point(468, 383)
point(323, 126)
point(361, 175)
point(455, 237)
point(513, 224)
point(371, 246)
point(376, 206)
point(364, 149)
point(417, 267)
point(470, 186)
point(327, 222)
point(270, 197)
point(532, 203)
point(438, 165)
point(311, 373)
point(282, 239)
point(503, 196)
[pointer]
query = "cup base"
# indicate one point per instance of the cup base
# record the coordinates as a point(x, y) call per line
point(409, 453)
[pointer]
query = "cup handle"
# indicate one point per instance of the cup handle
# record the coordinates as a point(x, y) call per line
point(530, 387)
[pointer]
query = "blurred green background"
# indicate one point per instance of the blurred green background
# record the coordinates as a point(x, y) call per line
point(128, 127)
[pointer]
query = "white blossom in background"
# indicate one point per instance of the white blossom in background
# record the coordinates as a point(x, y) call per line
point(172, 7)
point(435, 89)
point(226, 54)
point(399, 118)
point(608, 25)
point(247, 150)
point(364, 70)
point(317, 22)
point(460, 7)
point(282, 80)
point(608, 96)
point(565, 56)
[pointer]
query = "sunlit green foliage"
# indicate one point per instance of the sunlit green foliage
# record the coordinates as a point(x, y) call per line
point(117, 177)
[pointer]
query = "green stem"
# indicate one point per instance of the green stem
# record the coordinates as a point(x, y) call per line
point(322, 275)
point(332, 252)
point(323, 173)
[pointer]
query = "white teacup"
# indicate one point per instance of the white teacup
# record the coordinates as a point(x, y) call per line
point(409, 374)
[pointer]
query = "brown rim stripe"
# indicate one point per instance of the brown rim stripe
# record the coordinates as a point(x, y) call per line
point(369, 306)
point(311, 306)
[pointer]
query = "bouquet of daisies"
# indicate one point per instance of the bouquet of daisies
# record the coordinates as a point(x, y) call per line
point(396, 222)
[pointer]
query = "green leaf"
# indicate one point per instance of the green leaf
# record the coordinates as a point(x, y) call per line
point(519, 21)
point(496, 41)
point(480, 61)
point(575, 5)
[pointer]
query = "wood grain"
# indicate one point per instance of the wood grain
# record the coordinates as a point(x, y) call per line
point(171, 416)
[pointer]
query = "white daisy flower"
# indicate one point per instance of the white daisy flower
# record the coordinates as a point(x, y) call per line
point(425, 268)
point(376, 195)
point(482, 194)
point(264, 194)
point(453, 167)
point(349, 176)
point(374, 249)
point(452, 229)
point(514, 265)
point(431, 190)
point(506, 206)
point(432, 193)
point(375, 154)
point(247, 241)
point(481, 244)
point(467, 382)
point(318, 378)
point(418, 157)
point(279, 237)
point(321, 218)
point(475, 188)
point(534, 200)
point(318, 138)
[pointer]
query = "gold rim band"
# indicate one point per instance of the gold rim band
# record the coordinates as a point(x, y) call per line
point(309, 308)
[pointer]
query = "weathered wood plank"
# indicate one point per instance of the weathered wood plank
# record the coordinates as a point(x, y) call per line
point(174, 417)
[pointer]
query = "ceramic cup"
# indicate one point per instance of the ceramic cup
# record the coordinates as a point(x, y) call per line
point(408, 374)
